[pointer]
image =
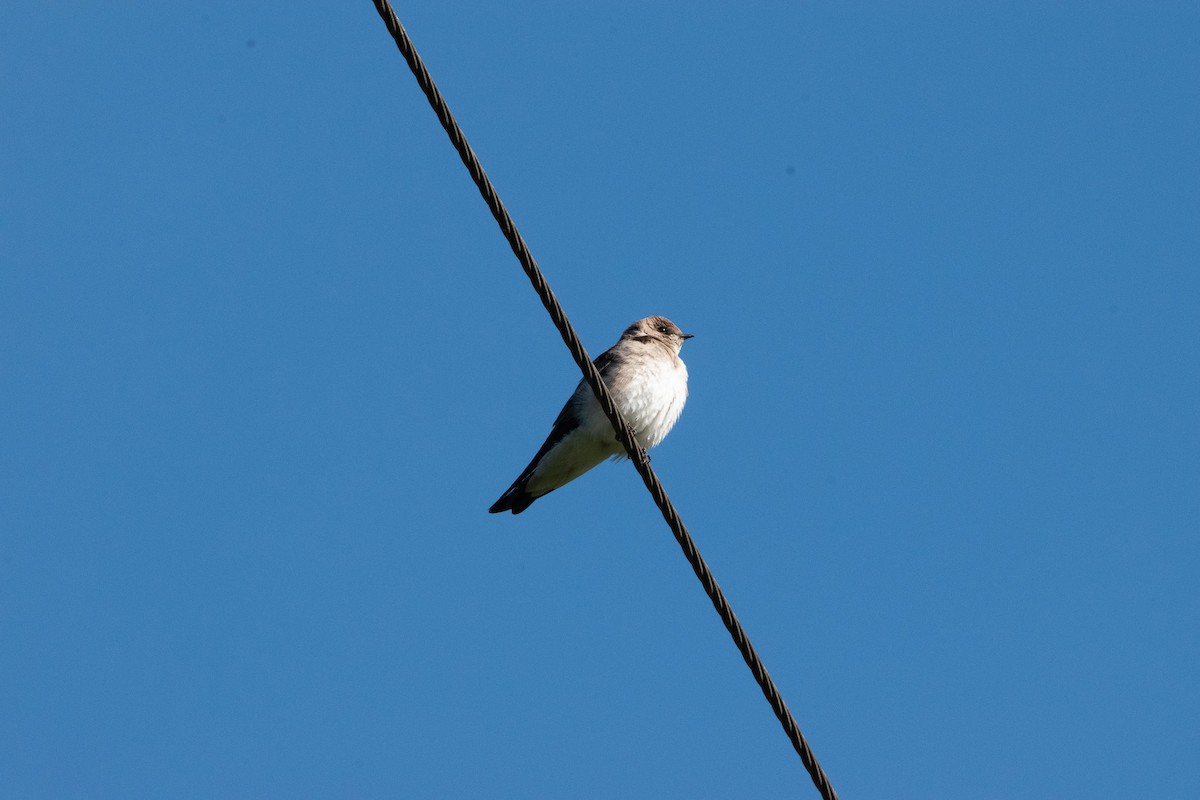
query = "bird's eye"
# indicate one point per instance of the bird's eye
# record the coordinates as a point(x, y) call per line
point(663, 329)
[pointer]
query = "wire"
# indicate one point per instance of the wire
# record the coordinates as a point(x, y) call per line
point(624, 433)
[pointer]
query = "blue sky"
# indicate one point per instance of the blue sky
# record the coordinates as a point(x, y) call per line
point(268, 360)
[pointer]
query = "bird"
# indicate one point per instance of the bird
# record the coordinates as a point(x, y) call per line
point(648, 382)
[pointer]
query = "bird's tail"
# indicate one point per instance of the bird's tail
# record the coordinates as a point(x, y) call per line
point(516, 499)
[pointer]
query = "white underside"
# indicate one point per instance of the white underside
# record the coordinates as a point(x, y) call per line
point(650, 394)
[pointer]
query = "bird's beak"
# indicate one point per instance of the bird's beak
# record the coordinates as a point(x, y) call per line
point(687, 336)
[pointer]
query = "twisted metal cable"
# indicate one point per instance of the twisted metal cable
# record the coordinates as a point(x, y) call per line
point(624, 433)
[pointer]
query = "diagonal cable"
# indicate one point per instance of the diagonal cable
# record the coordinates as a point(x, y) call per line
point(624, 433)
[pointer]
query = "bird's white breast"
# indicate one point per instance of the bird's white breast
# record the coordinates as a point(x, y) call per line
point(654, 399)
point(650, 392)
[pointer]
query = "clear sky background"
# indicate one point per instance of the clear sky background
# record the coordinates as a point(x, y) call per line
point(267, 360)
